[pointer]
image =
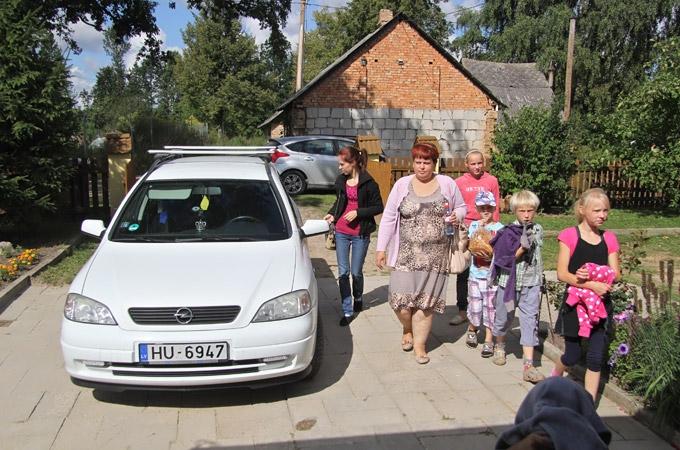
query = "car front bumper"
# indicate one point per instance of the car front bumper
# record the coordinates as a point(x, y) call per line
point(107, 356)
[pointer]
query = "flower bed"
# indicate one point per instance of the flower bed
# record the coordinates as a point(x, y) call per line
point(14, 261)
point(644, 346)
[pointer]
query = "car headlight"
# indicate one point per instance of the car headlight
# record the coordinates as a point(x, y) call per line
point(287, 306)
point(82, 309)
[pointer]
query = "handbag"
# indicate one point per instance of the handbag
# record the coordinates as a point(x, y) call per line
point(460, 256)
point(330, 237)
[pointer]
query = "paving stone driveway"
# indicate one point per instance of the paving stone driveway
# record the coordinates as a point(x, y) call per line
point(369, 393)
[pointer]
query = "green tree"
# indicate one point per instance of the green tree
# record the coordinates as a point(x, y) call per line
point(533, 153)
point(129, 18)
point(339, 30)
point(111, 104)
point(272, 14)
point(37, 120)
point(222, 79)
point(613, 40)
point(646, 125)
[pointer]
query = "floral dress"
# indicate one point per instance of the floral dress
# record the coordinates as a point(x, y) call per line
point(420, 276)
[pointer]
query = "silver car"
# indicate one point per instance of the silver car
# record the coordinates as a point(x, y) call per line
point(307, 161)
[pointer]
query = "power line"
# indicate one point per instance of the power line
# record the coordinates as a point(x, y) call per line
point(459, 10)
point(320, 6)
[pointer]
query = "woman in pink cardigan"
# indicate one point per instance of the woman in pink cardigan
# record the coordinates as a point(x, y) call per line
point(412, 232)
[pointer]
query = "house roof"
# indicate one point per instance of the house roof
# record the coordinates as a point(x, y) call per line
point(271, 118)
point(372, 36)
point(516, 84)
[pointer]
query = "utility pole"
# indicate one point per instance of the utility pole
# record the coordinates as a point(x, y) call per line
point(570, 68)
point(301, 44)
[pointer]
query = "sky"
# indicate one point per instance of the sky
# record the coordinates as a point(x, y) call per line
point(84, 66)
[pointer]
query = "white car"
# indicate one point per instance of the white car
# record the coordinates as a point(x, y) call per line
point(203, 279)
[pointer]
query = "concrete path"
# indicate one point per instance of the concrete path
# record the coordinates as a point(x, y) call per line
point(369, 393)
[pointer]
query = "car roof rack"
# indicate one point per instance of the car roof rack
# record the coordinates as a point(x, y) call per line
point(171, 152)
point(194, 150)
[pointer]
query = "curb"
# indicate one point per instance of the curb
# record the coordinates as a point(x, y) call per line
point(623, 399)
point(17, 287)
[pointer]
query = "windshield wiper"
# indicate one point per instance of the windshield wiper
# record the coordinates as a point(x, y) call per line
point(140, 239)
point(217, 239)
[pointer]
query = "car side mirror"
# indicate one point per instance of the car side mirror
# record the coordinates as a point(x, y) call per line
point(94, 228)
point(314, 228)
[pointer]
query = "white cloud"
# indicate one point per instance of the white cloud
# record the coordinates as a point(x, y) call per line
point(292, 28)
point(136, 44)
point(179, 50)
point(88, 39)
point(252, 27)
point(79, 80)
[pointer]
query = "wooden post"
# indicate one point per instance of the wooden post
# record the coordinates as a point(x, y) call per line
point(301, 43)
point(570, 67)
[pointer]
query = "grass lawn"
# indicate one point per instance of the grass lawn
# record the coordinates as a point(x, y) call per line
point(656, 249)
point(65, 270)
point(322, 202)
point(618, 219)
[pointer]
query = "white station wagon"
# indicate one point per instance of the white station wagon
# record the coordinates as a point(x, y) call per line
point(203, 279)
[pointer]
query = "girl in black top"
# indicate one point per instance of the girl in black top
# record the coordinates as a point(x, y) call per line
point(579, 245)
point(358, 201)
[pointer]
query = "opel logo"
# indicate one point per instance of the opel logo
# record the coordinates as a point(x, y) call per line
point(184, 316)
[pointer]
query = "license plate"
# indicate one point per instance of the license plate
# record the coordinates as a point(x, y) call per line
point(203, 352)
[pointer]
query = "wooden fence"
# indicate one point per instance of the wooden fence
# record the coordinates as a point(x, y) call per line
point(90, 189)
point(454, 167)
point(622, 191)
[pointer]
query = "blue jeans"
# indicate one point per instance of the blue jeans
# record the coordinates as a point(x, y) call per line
point(359, 247)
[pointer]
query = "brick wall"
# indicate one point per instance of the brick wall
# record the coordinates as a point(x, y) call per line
point(406, 87)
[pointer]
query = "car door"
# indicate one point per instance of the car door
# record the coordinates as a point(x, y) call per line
point(324, 153)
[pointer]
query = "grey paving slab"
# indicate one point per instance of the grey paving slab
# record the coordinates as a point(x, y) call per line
point(369, 393)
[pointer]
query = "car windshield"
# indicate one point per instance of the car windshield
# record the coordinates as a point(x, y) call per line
point(202, 210)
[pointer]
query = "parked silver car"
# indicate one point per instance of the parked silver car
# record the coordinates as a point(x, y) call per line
point(307, 161)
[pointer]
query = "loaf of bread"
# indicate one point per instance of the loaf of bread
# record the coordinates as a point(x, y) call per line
point(479, 244)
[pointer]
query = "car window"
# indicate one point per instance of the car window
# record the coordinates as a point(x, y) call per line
point(202, 210)
point(320, 147)
point(341, 144)
point(296, 146)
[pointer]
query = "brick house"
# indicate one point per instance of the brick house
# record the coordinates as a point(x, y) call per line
point(395, 83)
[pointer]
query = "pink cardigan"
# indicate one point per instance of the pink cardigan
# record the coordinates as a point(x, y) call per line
point(388, 233)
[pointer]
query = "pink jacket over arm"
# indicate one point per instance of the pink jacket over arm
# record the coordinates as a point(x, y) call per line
point(388, 233)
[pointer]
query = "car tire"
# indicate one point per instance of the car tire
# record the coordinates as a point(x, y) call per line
point(317, 359)
point(294, 182)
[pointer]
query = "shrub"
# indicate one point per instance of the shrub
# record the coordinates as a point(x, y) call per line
point(652, 367)
point(645, 125)
point(533, 154)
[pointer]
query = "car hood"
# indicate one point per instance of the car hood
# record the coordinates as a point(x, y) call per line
point(125, 275)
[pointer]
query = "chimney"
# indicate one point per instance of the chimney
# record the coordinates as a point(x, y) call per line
point(384, 16)
point(551, 75)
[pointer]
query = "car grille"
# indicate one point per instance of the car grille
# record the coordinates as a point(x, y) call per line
point(231, 367)
point(199, 315)
point(187, 370)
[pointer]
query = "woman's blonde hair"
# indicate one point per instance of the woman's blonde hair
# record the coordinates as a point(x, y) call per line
point(585, 198)
point(524, 198)
point(475, 152)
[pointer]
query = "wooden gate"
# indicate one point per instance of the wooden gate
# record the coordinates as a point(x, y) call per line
point(90, 189)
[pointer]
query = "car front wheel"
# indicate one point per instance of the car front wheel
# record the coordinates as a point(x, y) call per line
point(294, 182)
